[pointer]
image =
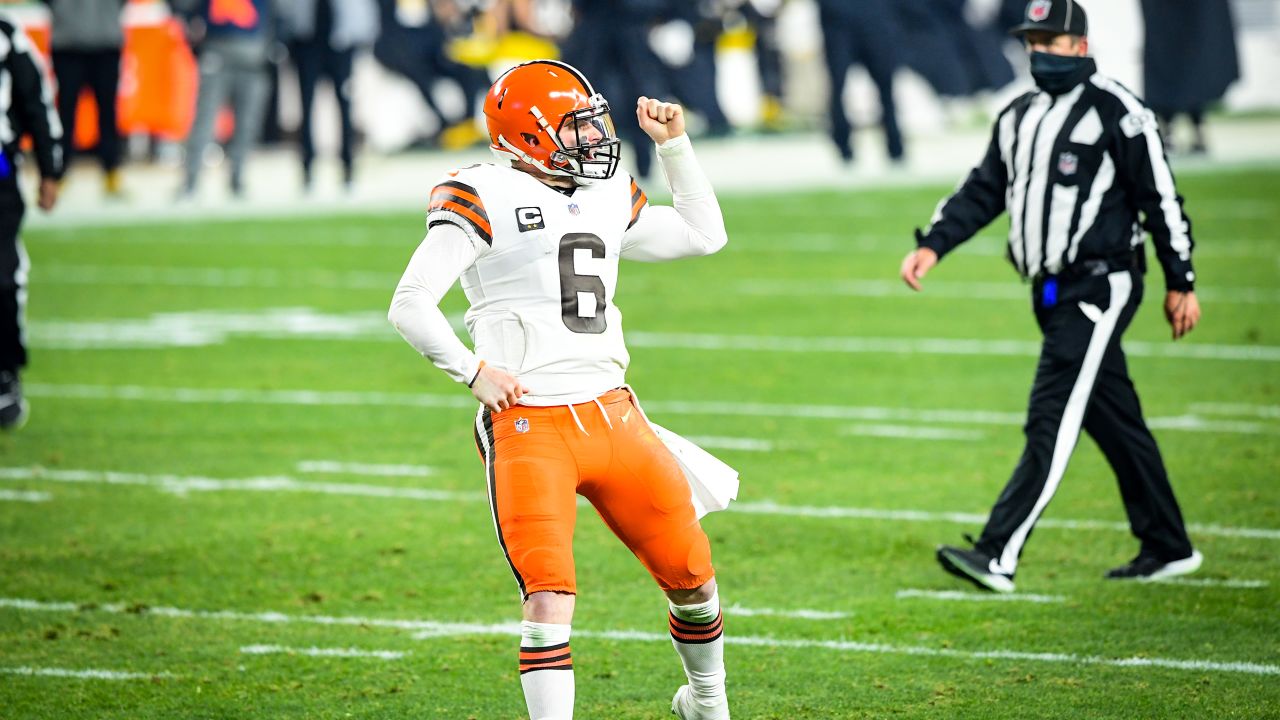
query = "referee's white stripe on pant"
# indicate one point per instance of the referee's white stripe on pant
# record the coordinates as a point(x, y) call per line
point(1072, 415)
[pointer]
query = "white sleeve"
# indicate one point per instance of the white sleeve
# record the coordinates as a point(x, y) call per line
point(436, 265)
point(694, 226)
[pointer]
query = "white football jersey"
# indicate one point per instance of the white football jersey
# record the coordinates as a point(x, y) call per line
point(542, 287)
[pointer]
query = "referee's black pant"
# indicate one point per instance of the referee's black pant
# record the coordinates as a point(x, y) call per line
point(13, 277)
point(1083, 381)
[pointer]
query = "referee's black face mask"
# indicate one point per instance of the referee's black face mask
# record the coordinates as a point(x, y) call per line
point(1057, 74)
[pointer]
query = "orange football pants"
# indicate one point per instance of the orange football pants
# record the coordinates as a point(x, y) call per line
point(537, 460)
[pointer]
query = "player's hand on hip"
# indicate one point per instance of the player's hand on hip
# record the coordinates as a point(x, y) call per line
point(661, 121)
point(1182, 310)
point(915, 265)
point(497, 389)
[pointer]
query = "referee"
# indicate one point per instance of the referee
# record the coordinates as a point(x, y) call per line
point(1079, 165)
point(26, 106)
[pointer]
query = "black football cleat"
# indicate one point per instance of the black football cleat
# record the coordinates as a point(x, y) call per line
point(1147, 567)
point(975, 567)
point(13, 407)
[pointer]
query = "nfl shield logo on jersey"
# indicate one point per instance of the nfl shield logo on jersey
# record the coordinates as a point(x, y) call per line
point(574, 209)
point(1038, 10)
point(522, 425)
point(1068, 163)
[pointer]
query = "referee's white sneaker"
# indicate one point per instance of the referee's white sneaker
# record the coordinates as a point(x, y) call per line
point(1146, 567)
point(686, 707)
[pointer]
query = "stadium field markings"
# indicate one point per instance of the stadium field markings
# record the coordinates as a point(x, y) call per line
point(1270, 412)
point(431, 629)
point(911, 432)
point(985, 246)
point(24, 496)
point(323, 652)
point(966, 290)
point(204, 328)
point(334, 467)
point(337, 398)
point(912, 593)
point(801, 614)
point(713, 442)
point(183, 484)
point(1214, 583)
point(83, 674)
point(930, 346)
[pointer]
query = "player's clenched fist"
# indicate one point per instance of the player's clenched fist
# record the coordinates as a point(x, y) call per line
point(496, 389)
point(660, 120)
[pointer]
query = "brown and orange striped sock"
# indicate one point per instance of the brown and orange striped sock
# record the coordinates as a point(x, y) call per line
point(697, 632)
point(546, 670)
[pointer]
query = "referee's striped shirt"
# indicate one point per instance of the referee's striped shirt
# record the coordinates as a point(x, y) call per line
point(1082, 175)
point(26, 105)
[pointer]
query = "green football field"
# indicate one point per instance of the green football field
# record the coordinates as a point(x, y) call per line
point(242, 495)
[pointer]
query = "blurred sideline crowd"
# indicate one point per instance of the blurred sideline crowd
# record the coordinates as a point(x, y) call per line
point(201, 80)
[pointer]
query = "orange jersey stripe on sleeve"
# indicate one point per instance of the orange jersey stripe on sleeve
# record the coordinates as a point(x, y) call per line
point(463, 200)
point(638, 201)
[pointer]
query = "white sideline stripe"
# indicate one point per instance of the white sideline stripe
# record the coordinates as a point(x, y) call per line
point(82, 674)
point(322, 652)
point(1271, 412)
point(179, 484)
point(977, 597)
point(731, 443)
point(1188, 423)
point(909, 431)
point(428, 629)
point(738, 610)
point(212, 277)
point(965, 290)
point(25, 496)
point(1210, 582)
point(182, 484)
point(930, 346)
point(373, 470)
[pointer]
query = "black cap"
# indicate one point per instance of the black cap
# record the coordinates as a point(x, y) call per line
point(1054, 16)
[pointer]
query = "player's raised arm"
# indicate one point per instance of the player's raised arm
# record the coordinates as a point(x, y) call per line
point(695, 225)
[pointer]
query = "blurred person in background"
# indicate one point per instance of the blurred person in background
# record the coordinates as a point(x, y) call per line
point(865, 33)
point(694, 81)
point(26, 107)
point(612, 38)
point(1189, 61)
point(322, 36)
point(412, 43)
point(958, 59)
point(232, 40)
point(761, 17)
point(87, 40)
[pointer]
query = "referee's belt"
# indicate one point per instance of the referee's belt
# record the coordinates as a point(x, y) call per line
point(1096, 267)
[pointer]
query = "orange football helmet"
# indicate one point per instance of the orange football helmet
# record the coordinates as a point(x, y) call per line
point(546, 114)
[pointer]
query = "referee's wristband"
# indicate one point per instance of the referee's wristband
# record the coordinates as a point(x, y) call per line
point(477, 376)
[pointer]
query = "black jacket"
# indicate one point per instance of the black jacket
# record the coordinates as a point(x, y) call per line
point(29, 107)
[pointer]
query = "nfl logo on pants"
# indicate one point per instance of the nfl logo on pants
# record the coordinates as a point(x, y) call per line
point(522, 425)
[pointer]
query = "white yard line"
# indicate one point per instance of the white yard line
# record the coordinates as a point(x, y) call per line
point(672, 407)
point(951, 289)
point(25, 496)
point(1270, 412)
point(182, 484)
point(731, 443)
point(427, 629)
point(213, 277)
point(911, 432)
point(802, 614)
point(334, 467)
point(86, 674)
point(1214, 583)
point(977, 597)
point(930, 346)
point(322, 652)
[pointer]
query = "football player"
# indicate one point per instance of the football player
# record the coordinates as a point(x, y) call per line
point(536, 240)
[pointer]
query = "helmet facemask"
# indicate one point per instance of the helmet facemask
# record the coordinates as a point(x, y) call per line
point(582, 153)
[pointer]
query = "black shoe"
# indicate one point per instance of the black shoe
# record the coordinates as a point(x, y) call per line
point(13, 408)
point(975, 567)
point(1147, 567)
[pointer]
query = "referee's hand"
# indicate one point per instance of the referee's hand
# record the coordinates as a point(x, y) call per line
point(1182, 310)
point(915, 265)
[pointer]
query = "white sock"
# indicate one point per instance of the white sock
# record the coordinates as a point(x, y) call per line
point(546, 670)
point(697, 632)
